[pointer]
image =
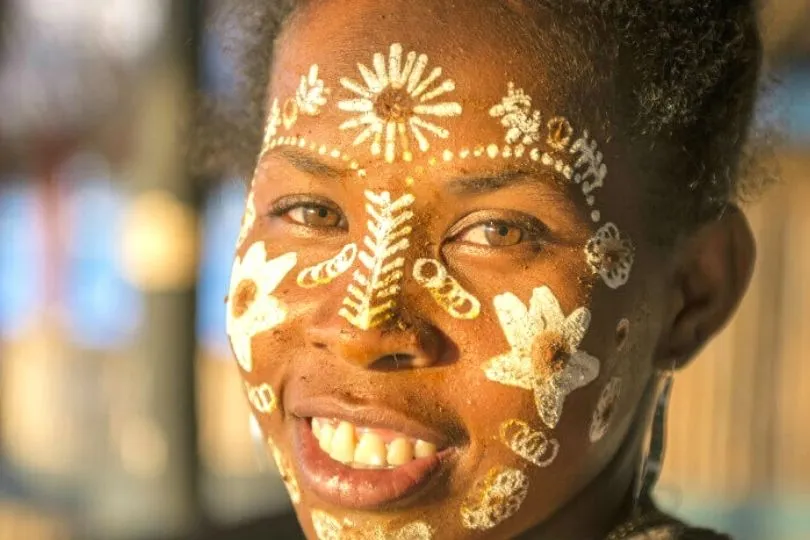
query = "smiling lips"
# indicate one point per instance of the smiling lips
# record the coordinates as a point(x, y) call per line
point(368, 448)
point(364, 457)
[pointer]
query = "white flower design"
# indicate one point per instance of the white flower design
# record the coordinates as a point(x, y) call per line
point(271, 125)
point(495, 498)
point(514, 110)
point(528, 443)
point(247, 220)
point(542, 324)
point(328, 527)
point(251, 307)
point(311, 94)
point(393, 102)
point(605, 409)
point(611, 254)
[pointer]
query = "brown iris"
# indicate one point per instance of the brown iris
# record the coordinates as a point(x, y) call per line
point(502, 234)
point(319, 216)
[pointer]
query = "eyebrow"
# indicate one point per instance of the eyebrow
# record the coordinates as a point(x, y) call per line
point(490, 182)
point(309, 164)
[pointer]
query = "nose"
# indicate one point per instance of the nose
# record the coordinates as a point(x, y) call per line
point(399, 343)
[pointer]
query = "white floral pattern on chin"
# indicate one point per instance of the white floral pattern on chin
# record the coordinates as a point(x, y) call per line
point(522, 328)
point(611, 254)
point(328, 527)
point(251, 307)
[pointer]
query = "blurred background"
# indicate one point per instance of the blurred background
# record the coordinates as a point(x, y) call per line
point(121, 416)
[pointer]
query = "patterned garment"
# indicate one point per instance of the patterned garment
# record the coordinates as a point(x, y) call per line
point(655, 525)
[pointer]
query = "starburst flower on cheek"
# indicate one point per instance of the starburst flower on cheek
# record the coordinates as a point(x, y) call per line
point(544, 353)
point(252, 308)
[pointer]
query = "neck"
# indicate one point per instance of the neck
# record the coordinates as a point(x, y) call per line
point(609, 499)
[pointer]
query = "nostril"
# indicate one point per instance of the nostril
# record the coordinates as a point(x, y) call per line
point(395, 361)
point(321, 346)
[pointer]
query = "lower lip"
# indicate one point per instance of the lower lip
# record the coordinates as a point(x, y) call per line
point(360, 489)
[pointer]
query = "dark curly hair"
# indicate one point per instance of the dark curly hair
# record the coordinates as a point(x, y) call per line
point(690, 72)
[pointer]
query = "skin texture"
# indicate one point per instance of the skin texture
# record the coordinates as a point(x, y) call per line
point(674, 300)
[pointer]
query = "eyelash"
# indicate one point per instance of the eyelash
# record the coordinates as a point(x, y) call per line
point(283, 206)
point(534, 232)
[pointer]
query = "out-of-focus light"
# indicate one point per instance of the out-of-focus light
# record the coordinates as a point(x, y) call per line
point(123, 29)
point(159, 246)
point(143, 448)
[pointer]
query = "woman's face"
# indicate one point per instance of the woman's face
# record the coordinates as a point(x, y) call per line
point(438, 303)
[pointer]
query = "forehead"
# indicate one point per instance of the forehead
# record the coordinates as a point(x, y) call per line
point(479, 47)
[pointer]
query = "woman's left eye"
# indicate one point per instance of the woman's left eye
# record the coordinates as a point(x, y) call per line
point(493, 234)
point(500, 234)
point(315, 215)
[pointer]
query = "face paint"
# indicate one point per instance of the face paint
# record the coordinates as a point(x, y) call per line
point(446, 291)
point(610, 254)
point(372, 295)
point(325, 272)
point(261, 398)
point(544, 355)
point(559, 133)
point(495, 499)
point(531, 445)
point(605, 409)
point(330, 528)
point(320, 149)
point(521, 123)
point(311, 94)
point(622, 333)
point(247, 220)
point(286, 472)
point(271, 126)
point(251, 307)
point(394, 101)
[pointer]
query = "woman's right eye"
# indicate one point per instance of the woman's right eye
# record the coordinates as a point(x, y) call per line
point(316, 216)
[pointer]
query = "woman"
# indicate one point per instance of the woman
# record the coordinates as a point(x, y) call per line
point(480, 238)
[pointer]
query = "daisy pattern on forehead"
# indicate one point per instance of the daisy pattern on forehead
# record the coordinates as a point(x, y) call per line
point(521, 123)
point(532, 334)
point(311, 94)
point(252, 309)
point(394, 102)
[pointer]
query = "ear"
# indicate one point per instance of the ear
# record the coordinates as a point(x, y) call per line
point(713, 269)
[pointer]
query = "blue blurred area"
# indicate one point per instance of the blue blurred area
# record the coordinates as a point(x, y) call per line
point(21, 256)
point(102, 309)
point(222, 216)
point(794, 92)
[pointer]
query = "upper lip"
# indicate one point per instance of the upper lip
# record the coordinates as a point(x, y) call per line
point(371, 416)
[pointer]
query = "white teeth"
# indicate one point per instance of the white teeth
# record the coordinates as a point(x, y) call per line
point(343, 443)
point(424, 449)
point(327, 432)
point(366, 448)
point(400, 452)
point(370, 451)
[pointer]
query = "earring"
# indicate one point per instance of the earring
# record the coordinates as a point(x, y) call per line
point(652, 463)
